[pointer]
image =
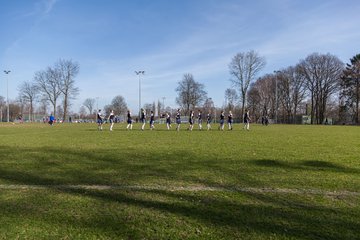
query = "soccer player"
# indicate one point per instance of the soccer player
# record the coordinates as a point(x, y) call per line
point(178, 119)
point(143, 119)
point(191, 120)
point(200, 120)
point(51, 119)
point(208, 121)
point(247, 120)
point(222, 120)
point(99, 120)
point(152, 120)
point(230, 120)
point(168, 121)
point(129, 120)
point(111, 119)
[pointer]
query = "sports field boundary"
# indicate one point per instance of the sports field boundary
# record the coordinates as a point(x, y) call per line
point(180, 188)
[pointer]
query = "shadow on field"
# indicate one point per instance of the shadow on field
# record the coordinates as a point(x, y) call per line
point(315, 165)
point(228, 215)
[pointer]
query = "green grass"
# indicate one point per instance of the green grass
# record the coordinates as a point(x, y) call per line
point(275, 182)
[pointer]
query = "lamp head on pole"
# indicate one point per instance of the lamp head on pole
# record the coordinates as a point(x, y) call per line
point(139, 72)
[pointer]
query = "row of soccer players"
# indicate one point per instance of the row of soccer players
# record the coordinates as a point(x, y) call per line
point(100, 120)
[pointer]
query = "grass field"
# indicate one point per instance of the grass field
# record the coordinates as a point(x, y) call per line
point(70, 181)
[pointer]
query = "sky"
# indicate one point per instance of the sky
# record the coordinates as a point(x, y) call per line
point(110, 39)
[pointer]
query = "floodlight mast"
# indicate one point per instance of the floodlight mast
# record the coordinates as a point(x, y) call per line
point(276, 94)
point(7, 92)
point(139, 73)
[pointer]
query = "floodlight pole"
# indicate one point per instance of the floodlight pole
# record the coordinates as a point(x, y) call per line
point(97, 104)
point(163, 98)
point(7, 92)
point(139, 73)
point(276, 94)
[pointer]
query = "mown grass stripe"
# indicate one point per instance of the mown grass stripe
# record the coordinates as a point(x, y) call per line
point(185, 188)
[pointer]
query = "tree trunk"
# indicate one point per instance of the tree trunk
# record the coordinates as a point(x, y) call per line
point(65, 107)
point(54, 110)
point(242, 107)
point(312, 109)
point(31, 118)
point(357, 101)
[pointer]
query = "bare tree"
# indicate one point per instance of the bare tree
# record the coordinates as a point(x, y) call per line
point(244, 67)
point(2, 107)
point(208, 105)
point(49, 85)
point(322, 73)
point(14, 110)
point(190, 93)
point(29, 92)
point(107, 109)
point(42, 109)
point(149, 107)
point(291, 91)
point(230, 98)
point(119, 105)
point(254, 100)
point(262, 93)
point(60, 111)
point(159, 108)
point(82, 112)
point(68, 70)
point(89, 103)
point(350, 87)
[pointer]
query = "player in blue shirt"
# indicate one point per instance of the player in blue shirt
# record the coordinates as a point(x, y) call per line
point(51, 119)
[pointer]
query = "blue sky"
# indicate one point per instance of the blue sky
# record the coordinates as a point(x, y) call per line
point(111, 39)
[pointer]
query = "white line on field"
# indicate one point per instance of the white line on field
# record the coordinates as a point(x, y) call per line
point(177, 188)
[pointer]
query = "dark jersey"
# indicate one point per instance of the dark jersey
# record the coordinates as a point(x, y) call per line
point(142, 116)
point(191, 118)
point(168, 119)
point(222, 116)
point(178, 118)
point(246, 117)
point(98, 117)
point(129, 118)
point(208, 118)
point(230, 118)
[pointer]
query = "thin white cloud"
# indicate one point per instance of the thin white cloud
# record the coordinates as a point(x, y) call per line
point(284, 31)
point(49, 5)
point(40, 8)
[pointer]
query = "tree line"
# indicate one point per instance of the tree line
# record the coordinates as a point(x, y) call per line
point(320, 86)
point(53, 85)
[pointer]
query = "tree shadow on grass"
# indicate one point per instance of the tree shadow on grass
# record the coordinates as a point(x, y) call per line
point(314, 165)
point(227, 214)
point(104, 167)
